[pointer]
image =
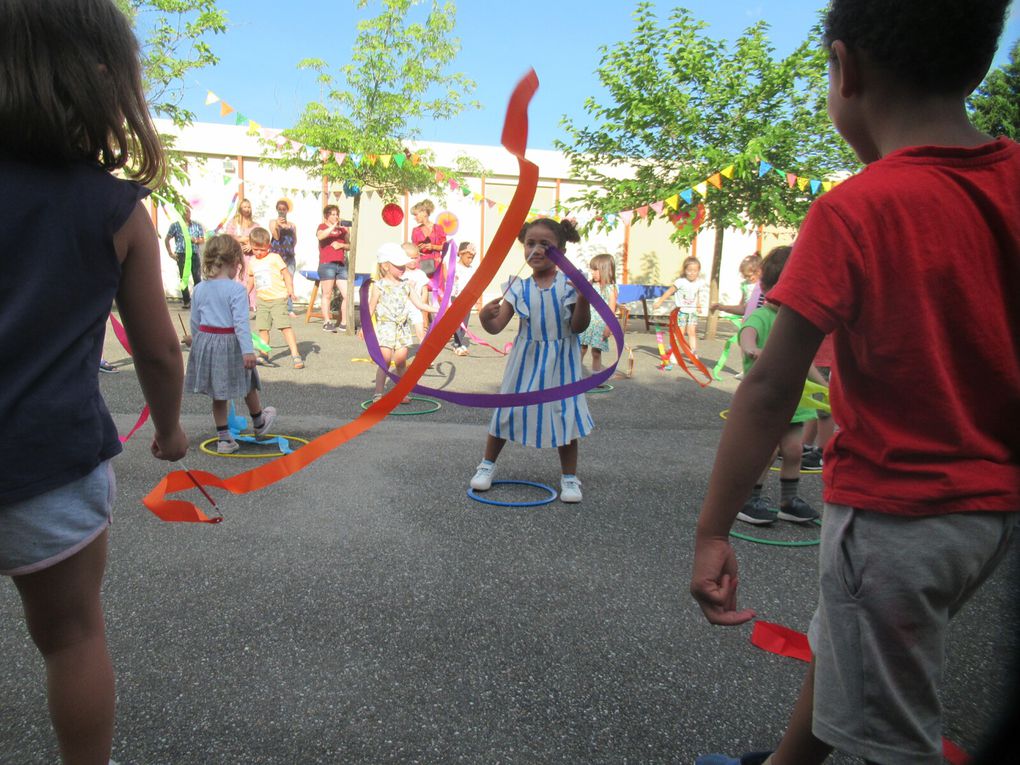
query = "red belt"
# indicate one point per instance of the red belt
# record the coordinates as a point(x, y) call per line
point(215, 330)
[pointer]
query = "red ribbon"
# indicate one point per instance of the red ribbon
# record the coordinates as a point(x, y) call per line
point(681, 348)
point(775, 638)
point(143, 416)
point(515, 139)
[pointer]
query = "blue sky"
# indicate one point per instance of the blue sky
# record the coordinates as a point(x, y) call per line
point(257, 73)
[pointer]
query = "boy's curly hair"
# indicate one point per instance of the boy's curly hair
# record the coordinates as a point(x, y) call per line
point(938, 46)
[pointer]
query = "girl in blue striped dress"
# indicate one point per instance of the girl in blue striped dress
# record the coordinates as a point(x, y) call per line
point(545, 354)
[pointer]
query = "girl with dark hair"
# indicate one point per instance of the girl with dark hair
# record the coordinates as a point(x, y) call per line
point(546, 353)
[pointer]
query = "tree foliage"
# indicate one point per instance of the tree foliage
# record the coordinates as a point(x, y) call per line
point(681, 106)
point(995, 105)
point(174, 42)
point(396, 77)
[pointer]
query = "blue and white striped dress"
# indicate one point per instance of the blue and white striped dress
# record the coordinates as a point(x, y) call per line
point(546, 353)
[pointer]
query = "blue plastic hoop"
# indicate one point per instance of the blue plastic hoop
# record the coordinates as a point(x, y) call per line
point(535, 503)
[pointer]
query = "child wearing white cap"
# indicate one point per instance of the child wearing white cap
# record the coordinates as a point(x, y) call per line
point(390, 300)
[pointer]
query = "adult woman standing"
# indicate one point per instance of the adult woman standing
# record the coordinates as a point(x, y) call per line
point(333, 246)
point(239, 228)
point(284, 239)
point(427, 237)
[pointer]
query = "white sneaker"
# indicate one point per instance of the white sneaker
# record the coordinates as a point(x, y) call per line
point(268, 418)
point(483, 476)
point(227, 447)
point(570, 489)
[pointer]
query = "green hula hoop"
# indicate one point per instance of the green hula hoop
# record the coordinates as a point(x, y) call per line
point(778, 542)
point(436, 406)
point(603, 388)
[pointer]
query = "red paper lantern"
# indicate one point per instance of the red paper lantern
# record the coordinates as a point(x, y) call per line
point(392, 214)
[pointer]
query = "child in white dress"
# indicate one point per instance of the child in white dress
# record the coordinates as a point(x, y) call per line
point(545, 354)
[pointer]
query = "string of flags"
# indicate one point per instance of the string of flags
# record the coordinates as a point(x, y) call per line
point(325, 155)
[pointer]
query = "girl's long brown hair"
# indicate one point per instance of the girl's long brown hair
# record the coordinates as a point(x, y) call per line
point(71, 87)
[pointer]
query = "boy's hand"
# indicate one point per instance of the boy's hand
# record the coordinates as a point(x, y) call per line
point(714, 582)
point(172, 446)
point(249, 361)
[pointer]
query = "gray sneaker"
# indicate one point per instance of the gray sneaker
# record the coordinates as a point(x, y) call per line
point(798, 511)
point(227, 447)
point(757, 511)
point(268, 418)
point(482, 480)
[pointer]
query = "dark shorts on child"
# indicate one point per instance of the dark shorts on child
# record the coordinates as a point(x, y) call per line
point(41, 531)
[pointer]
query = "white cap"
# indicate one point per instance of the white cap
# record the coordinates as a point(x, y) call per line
point(390, 252)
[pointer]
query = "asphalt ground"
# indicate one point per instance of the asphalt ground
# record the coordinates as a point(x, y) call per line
point(366, 610)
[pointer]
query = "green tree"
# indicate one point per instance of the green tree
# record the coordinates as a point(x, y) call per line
point(682, 106)
point(396, 78)
point(174, 38)
point(995, 105)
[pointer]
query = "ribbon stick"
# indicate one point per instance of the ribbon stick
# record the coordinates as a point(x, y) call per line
point(681, 348)
point(514, 139)
point(529, 398)
point(143, 416)
point(665, 355)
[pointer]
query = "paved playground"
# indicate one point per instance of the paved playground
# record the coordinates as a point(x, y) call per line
point(366, 610)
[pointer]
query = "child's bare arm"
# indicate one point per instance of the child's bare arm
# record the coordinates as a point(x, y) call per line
point(817, 377)
point(663, 297)
point(748, 340)
point(288, 280)
point(420, 304)
point(759, 414)
point(495, 315)
point(580, 316)
point(154, 343)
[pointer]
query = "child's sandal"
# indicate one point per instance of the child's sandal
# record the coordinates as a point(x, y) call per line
point(298, 363)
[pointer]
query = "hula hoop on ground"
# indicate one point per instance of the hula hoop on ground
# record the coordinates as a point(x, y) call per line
point(804, 471)
point(603, 388)
point(534, 503)
point(436, 406)
point(724, 414)
point(779, 542)
point(204, 446)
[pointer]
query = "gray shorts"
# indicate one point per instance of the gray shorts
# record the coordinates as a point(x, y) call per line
point(888, 587)
point(38, 532)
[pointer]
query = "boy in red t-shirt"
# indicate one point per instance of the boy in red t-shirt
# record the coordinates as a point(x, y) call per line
point(922, 481)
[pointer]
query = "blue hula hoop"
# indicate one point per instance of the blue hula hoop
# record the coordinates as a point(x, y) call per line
point(535, 503)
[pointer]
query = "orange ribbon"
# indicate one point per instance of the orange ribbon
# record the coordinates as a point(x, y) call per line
point(681, 348)
point(514, 140)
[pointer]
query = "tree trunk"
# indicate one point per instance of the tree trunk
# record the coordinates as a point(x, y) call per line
point(713, 285)
point(352, 259)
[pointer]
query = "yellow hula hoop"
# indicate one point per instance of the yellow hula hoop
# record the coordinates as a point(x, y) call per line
point(204, 446)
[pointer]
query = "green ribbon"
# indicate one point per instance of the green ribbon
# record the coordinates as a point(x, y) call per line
point(186, 230)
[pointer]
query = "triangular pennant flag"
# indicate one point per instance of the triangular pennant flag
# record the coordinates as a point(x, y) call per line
point(281, 139)
point(476, 197)
point(355, 159)
point(370, 159)
point(500, 208)
point(657, 206)
point(815, 186)
point(323, 155)
point(791, 180)
point(491, 203)
point(454, 185)
point(225, 108)
point(254, 125)
point(802, 183)
point(311, 152)
point(642, 211)
point(227, 179)
point(465, 191)
point(440, 177)
point(211, 98)
point(826, 185)
point(715, 180)
point(763, 168)
point(727, 172)
point(415, 159)
point(627, 216)
point(400, 159)
point(673, 202)
point(687, 195)
point(339, 156)
point(385, 159)
point(702, 188)
point(369, 193)
point(337, 194)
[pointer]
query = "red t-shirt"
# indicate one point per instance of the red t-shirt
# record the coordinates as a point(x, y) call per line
point(914, 265)
point(328, 253)
point(438, 236)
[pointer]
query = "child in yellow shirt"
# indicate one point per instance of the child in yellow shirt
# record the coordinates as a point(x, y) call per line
point(269, 276)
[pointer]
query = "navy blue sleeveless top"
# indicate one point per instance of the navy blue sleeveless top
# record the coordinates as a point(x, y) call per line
point(58, 278)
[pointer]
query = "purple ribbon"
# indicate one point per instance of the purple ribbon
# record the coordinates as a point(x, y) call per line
point(529, 398)
point(445, 295)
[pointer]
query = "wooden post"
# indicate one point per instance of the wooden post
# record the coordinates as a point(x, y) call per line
point(240, 179)
point(325, 191)
point(761, 239)
point(626, 253)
